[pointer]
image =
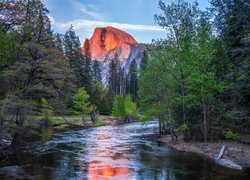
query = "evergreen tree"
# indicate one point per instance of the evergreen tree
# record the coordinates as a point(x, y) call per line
point(72, 48)
point(96, 72)
point(114, 78)
point(121, 83)
point(133, 85)
point(87, 80)
point(39, 67)
point(144, 61)
point(232, 20)
point(58, 42)
point(99, 97)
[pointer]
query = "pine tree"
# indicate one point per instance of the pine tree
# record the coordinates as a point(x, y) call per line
point(122, 81)
point(96, 72)
point(114, 79)
point(58, 42)
point(118, 72)
point(87, 80)
point(144, 61)
point(39, 68)
point(232, 20)
point(72, 48)
point(133, 85)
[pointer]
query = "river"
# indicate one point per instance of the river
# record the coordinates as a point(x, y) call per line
point(110, 152)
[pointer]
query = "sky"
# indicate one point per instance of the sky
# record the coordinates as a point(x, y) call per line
point(133, 16)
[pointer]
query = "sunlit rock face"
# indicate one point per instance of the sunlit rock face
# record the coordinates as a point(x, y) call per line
point(108, 41)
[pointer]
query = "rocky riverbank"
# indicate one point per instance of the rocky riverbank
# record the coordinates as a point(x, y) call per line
point(236, 155)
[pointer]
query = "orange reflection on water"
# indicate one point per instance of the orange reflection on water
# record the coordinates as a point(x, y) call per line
point(105, 171)
point(104, 159)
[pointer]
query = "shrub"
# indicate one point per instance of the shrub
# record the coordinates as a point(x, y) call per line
point(183, 127)
point(228, 134)
point(98, 122)
point(118, 109)
point(130, 108)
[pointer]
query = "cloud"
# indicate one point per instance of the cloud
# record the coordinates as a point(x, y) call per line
point(88, 9)
point(85, 28)
point(90, 25)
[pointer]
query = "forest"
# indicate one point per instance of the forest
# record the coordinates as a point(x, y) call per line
point(195, 82)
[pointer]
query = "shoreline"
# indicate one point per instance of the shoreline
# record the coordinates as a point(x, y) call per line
point(34, 133)
point(236, 156)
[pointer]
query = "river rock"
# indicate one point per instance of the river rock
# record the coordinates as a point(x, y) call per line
point(229, 164)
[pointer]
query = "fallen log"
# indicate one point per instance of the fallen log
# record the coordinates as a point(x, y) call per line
point(221, 152)
point(226, 162)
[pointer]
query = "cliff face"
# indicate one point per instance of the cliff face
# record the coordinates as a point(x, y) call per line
point(108, 41)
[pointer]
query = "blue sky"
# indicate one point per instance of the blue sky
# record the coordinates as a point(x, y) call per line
point(133, 16)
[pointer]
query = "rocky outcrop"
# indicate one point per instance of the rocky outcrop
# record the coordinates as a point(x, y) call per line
point(108, 41)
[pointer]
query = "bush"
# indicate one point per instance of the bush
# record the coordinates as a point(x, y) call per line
point(228, 134)
point(118, 109)
point(98, 122)
point(130, 108)
point(183, 127)
point(47, 111)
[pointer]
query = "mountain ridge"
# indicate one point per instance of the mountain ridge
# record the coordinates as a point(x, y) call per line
point(108, 41)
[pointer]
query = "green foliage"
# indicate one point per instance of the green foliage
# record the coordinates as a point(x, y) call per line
point(102, 98)
point(183, 127)
point(156, 87)
point(33, 67)
point(87, 79)
point(233, 21)
point(133, 81)
point(125, 108)
point(98, 122)
point(96, 72)
point(144, 61)
point(130, 108)
point(80, 101)
point(228, 134)
point(116, 76)
point(118, 109)
point(47, 110)
point(72, 48)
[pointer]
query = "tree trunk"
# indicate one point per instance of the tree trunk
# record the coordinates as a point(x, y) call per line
point(1, 125)
point(172, 133)
point(93, 116)
point(183, 94)
point(183, 104)
point(205, 128)
point(160, 127)
point(83, 120)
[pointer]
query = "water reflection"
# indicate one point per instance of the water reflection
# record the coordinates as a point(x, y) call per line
point(104, 159)
point(109, 152)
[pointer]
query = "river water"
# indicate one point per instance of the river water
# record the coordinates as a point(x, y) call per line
point(110, 152)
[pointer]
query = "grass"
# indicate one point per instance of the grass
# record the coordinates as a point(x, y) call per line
point(77, 120)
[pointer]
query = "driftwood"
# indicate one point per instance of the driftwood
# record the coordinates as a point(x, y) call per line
point(221, 152)
point(227, 162)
